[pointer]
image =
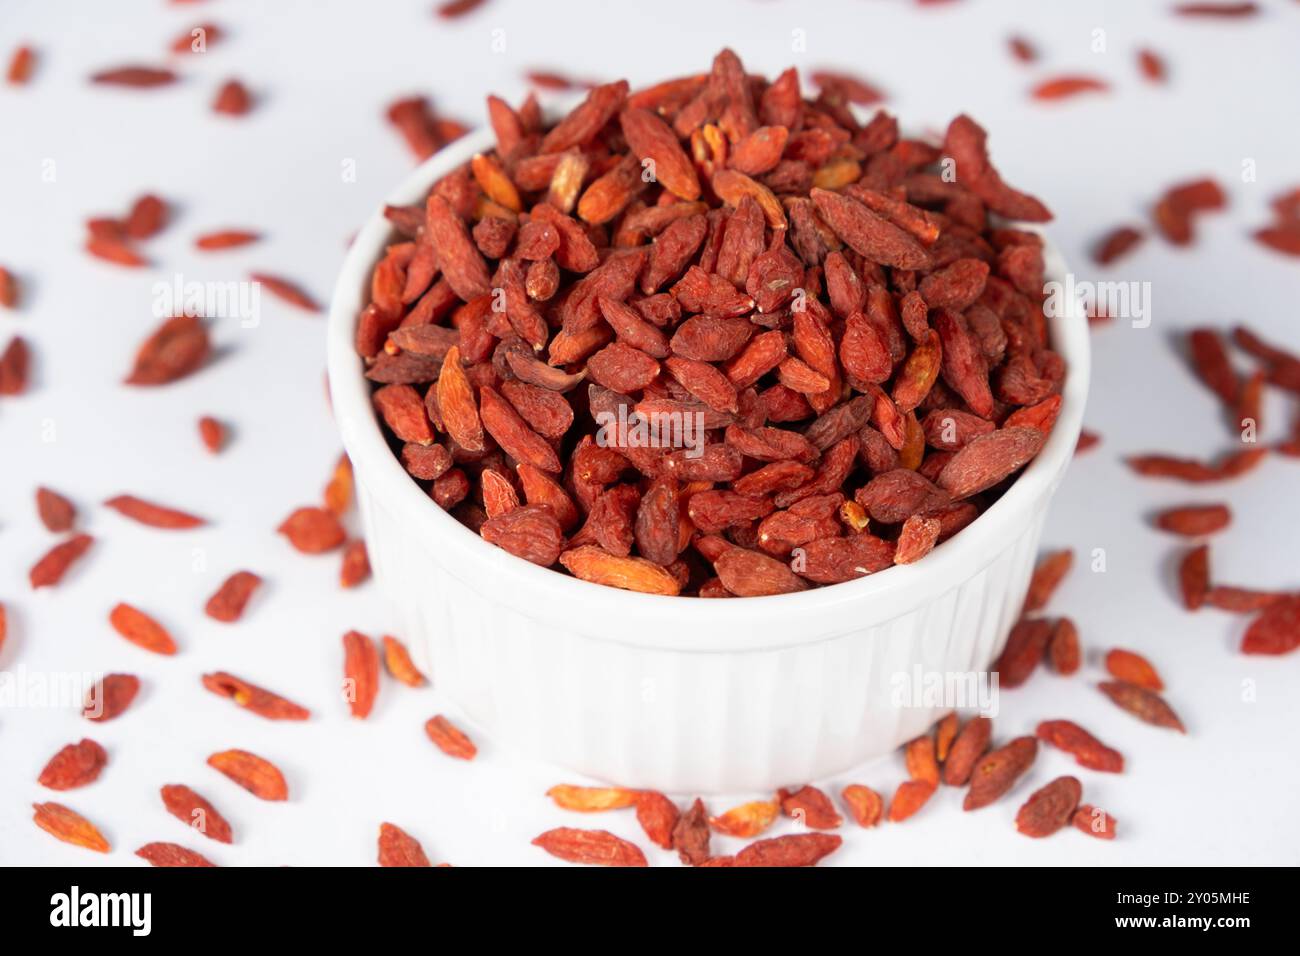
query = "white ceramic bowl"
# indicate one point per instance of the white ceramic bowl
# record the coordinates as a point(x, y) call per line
point(679, 694)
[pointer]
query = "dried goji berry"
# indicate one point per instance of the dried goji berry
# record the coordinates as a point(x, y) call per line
point(1133, 668)
point(997, 772)
point(967, 748)
point(262, 702)
point(56, 512)
point(449, 738)
point(599, 847)
point(173, 855)
point(49, 570)
point(74, 766)
point(399, 848)
point(255, 774)
point(110, 696)
point(153, 515)
point(196, 812)
point(811, 807)
point(1276, 630)
point(800, 849)
point(1145, 705)
point(140, 629)
point(1049, 808)
point(1088, 751)
point(69, 826)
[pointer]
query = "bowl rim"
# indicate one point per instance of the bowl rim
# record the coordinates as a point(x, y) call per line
point(656, 621)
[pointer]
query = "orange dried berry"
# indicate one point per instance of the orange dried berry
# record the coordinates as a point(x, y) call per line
point(1049, 808)
point(8, 289)
point(69, 826)
point(1063, 651)
point(456, 403)
point(255, 774)
point(1194, 520)
point(76, 765)
point(633, 574)
point(227, 605)
point(691, 835)
point(110, 696)
point(356, 564)
point(146, 218)
point(262, 702)
point(495, 182)
point(398, 661)
point(56, 512)
point(141, 630)
point(1094, 821)
point(866, 806)
point(232, 99)
point(153, 515)
point(800, 849)
point(225, 239)
point(116, 251)
point(1088, 751)
point(1194, 577)
point(176, 349)
point(658, 817)
point(910, 797)
point(313, 530)
point(360, 673)
point(338, 492)
point(653, 140)
point(1210, 360)
point(172, 854)
point(812, 807)
point(945, 732)
point(748, 819)
point(854, 516)
point(1227, 597)
point(966, 750)
point(1026, 645)
point(592, 799)
point(1276, 630)
point(733, 187)
point(195, 812)
point(998, 771)
point(1048, 574)
point(15, 365)
point(917, 538)
point(20, 66)
point(403, 412)
point(49, 570)
point(212, 433)
point(597, 847)
point(285, 290)
point(1116, 244)
point(922, 764)
point(1064, 87)
point(448, 738)
point(399, 848)
point(1145, 705)
point(1134, 668)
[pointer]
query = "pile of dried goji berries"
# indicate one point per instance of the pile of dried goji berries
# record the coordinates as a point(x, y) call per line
point(835, 312)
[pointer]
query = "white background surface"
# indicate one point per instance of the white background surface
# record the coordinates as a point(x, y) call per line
point(323, 73)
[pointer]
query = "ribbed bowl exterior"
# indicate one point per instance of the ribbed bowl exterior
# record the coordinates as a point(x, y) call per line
point(683, 721)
